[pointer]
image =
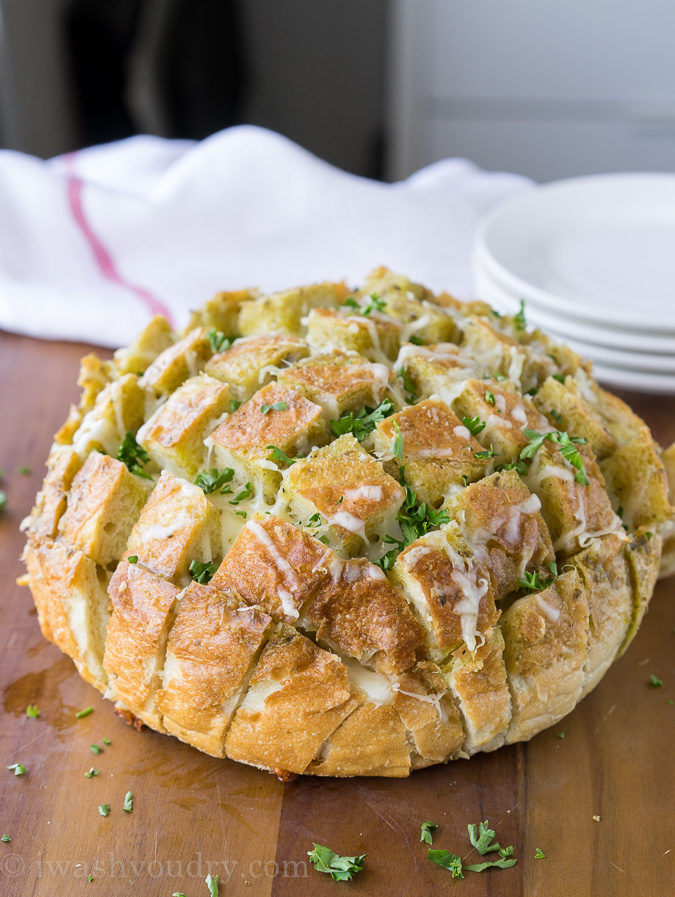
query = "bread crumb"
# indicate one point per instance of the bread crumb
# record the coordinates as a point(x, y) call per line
point(597, 818)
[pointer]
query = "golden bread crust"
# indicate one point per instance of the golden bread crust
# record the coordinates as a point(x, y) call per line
point(346, 532)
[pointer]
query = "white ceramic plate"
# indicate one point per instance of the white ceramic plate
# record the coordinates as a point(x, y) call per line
point(635, 380)
point(651, 351)
point(602, 248)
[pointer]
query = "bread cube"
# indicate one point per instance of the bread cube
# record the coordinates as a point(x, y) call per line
point(155, 337)
point(430, 714)
point(438, 450)
point(603, 570)
point(356, 611)
point(284, 312)
point(243, 440)
point(505, 414)
point(373, 336)
point(500, 521)
point(252, 362)
point(69, 591)
point(494, 350)
point(338, 382)
point(574, 513)
point(350, 490)
point(478, 681)
point(636, 478)
point(298, 695)
point(439, 370)
point(409, 304)
point(177, 525)
point(371, 741)
point(104, 503)
point(546, 636)
point(181, 360)
point(119, 408)
point(144, 606)
point(62, 465)
point(566, 409)
point(174, 435)
point(275, 565)
point(94, 375)
point(451, 591)
point(212, 648)
point(221, 312)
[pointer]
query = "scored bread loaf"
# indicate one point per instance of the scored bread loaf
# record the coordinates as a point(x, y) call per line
point(347, 532)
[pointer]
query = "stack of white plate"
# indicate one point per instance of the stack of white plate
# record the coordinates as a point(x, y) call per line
point(594, 261)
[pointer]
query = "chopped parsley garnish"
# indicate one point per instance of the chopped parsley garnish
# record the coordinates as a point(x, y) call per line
point(314, 521)
point(560, 734)
point(104, 809)
point(397, 443)
point(91, 773)
point(178, 894)
point(415, 519)
point(339, 868)
point(534, 582)
point(374, 304)
point(133, 455)
point(485, 454)
point(24, 471)
point(5, 839)
point(556, 417)
point(106, 741)
point(82, 713)
point(18, 769)
point(219, 342)
point(202, 572)
point(3, 499)
point(128, 804)
point(32, 711)
point(95, 749)
point(241, 514)
point(234, 405)
point(415, 340)
point(447, 860)
point(363, 422)
point(559, 377)
point(133, 558)
point(275, 406)
point(243, 495)
point(655, 682)
point(567, 446)
point(519, 321)
point(481, 838)
point(649, 535)
point(215, 480)
point(489, 397)
point(212, 885)
point(426, 832)
point(473, 424)
point(501, 863)
point(539, 854)
point(519, 466)
point(408, 385)
point(280, 455)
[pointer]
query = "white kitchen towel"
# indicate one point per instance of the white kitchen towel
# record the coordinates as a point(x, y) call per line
point(94, 243)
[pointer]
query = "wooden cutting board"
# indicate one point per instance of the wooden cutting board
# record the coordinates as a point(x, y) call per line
point(193, 815)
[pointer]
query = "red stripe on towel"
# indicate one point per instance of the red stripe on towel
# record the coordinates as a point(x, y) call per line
point(103, 258)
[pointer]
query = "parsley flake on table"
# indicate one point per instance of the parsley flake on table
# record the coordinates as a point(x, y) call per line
point(567, 446)
point(215, 480)
point(338, 867)
point(32, 711)
point(106, 741)
point(447, 860)
point(3, 500)
point(95, 749)
point(481, 838)
point(655, 682)
point(5, 839)
point(82, 713)
point(363, 422)
point(212, 885)
point(202, 572)
point(104, 809)
point(178, 894)
point(18, 769)
point(24, 471)
point(501, 863)
point(539, 854)
point(426, 832)
point(91, 773)
point(133, 455)
point(128, 804)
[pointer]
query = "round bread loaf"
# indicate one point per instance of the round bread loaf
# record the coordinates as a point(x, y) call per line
point(347, 532)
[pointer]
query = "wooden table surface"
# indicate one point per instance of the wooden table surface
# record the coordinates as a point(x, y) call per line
point(194, 815)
